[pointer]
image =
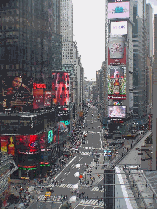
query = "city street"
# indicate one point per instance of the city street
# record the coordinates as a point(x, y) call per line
point(66, 183)
point(87, 194)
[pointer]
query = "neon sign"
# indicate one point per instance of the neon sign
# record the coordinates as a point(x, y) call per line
point(66, 122)
point(50, 136)
point(39, 86)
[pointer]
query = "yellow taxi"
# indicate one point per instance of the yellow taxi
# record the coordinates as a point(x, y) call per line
point(47, 194)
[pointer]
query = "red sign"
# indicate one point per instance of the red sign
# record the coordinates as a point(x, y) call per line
point(114, 61)
point(39, 86)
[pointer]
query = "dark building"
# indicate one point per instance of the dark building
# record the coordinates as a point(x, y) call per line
point(30, 50)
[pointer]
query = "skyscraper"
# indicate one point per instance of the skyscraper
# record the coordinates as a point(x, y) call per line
point(30, 49)
point(139, 63)
point(149, 29)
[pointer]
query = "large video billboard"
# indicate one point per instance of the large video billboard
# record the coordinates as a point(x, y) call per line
point(27, 144)
point(118, 10)
point(119, 28)
point(117, 74)
point(116, 51)
point(117, 111)
point(17, 92)
point(60, 89)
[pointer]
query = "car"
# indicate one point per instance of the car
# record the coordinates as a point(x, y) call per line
point(47, 194)
point(89, 128)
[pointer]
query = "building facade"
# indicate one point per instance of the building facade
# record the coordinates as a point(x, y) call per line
point(30, 51)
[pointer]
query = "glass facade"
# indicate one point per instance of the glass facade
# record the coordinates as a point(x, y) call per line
point(29, 38)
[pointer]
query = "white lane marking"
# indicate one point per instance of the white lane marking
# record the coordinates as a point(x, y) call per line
point(64, 168)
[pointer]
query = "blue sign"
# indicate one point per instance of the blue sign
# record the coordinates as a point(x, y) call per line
point(50, 136)
point(67, 122)
point(119, 10)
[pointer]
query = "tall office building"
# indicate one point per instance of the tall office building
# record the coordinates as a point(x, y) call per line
point(118, 68)
point(71, 60)
point(149, 29)
point(30, 49)
point(154, 99)
point(139, 36)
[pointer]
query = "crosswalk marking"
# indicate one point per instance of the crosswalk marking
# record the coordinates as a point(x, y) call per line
point(41, 197)
point(93, 202)
point(62, 185)
point(69, 186)
point(97, 189)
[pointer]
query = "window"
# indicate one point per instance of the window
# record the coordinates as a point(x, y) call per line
point(63, 88)
point(55, 88)
point(58, 82)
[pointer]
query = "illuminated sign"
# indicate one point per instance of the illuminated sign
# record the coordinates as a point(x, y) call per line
point(50, 136)
point(17, 93)
point(117, 73)
point(118, 10)
point(116, 103)
point(66, 122)
point(117, 111)
point(119, 28)
point(60, 89)
point(39, 86)
point(112, 1)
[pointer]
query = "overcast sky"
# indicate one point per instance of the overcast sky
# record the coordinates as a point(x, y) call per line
point(89, 33)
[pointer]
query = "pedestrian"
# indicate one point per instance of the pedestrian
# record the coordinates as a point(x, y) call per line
point(131, 146)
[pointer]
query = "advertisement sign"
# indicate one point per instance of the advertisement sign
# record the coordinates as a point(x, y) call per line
point(119, 28)
point(66, 122)
point(17, 93)
point(117, 74)
point(60, 89)
point(38, 98)
point(27, 144)
point(42, 141)
point(11, 146)
point(47, 98)
point(117, 111)
point(112, 1)
point(116, 61)
point(50, 136)
point(116, 47)
point(118, 10)
point(4, 144)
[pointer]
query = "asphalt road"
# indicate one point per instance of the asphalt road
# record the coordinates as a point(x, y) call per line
point(94, 143)
point(66, 178)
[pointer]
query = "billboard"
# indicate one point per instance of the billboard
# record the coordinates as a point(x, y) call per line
point(60, 89)
point(17, 92)
point(50, 136)
point(119, 28)
point(118, 10)
point(27, 144)
point(117, 74)
point(47, 98)
point(112, 1)
point(117, 111)
point(116, 51)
